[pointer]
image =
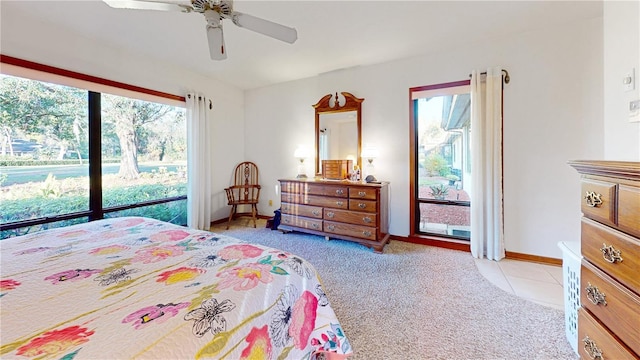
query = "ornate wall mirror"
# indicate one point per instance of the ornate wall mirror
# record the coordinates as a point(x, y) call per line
point(338, 128)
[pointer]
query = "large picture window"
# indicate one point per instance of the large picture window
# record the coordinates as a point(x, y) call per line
point(69, 155)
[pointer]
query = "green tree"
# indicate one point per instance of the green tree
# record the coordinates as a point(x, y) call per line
point(129, 117)
point(57, 113)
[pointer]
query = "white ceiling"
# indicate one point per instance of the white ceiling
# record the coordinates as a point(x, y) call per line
point(332, 35)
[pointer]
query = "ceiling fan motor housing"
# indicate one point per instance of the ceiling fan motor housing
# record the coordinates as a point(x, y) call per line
point(222, 7)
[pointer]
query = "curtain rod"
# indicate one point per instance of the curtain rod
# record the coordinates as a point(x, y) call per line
point(506, 75)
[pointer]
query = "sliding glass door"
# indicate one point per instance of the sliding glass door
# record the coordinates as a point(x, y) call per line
point(442, 161)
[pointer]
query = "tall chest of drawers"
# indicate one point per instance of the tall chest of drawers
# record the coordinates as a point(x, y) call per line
point(609, 317)
point(353, 211)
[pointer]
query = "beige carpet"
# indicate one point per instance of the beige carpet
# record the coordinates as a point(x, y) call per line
point(420, 302)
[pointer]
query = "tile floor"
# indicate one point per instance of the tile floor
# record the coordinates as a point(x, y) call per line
point(539, 283)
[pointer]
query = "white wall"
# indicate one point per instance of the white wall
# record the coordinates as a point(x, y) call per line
point(552, 113)
point(34, 40)
point(621, 54)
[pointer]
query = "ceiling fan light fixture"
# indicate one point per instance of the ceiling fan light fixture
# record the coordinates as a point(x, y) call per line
point(265, 27)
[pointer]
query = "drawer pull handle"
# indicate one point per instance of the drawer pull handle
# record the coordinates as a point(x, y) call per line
point(362, 193)
point(314, 225)
point(331, 227)
point(592, 349)
point(340, 192)
point(593, 199)
point(362, 205)
point(286, 220)
point(595, 296)
point(610, 254)
point(366, 233)
point(367, 219)
point(315, 212)
point(331, 214)
point(339, 203)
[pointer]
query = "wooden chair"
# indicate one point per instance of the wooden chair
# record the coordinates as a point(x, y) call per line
point(244, 191)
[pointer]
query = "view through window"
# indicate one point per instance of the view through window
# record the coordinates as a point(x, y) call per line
point(45, 157)
point(443, 161)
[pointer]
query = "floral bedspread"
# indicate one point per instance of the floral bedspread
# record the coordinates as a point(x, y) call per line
point(135, 287)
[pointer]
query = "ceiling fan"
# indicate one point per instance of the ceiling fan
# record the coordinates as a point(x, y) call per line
point(214, 12)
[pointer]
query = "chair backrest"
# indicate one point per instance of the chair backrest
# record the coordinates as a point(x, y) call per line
point(246, 175)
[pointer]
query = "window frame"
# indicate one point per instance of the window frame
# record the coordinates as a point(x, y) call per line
point(414, 211)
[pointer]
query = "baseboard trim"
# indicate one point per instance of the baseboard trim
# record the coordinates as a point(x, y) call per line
point(533, 258)
point(224, 220)
point(433, 241)
point(463, 246)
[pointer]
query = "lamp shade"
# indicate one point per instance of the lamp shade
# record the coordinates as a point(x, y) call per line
point(301, 152)
point(369, 152)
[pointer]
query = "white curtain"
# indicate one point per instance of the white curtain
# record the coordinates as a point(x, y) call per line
point(199, 161)
point(487, 235)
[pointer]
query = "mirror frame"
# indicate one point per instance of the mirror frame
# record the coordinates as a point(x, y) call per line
point(323, 106)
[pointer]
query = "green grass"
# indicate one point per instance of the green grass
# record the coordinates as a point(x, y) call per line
point(52, 197)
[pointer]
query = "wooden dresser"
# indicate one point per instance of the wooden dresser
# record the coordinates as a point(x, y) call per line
point(354, 211)
point(609, 317)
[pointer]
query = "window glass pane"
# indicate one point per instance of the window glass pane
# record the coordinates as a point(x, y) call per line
point(174, 212)
point(144, 153)
point(451, 220)
point(443, 142)
point(31, 229)
point(43, 149)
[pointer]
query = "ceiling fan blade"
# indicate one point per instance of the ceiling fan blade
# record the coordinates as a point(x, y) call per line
point(217, 50)
point(166, 5)
point(265, 27)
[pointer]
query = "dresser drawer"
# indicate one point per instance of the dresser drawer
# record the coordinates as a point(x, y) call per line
point(594, 340)
point(328, 190)
point(629, 210)
point(351, 217)
point(363, 193)
point(615, 306)
point(301, 210)
point(358, 231)
point(302, 222)
point(599, 201)
point(291, 198)
point(316, 200)
point(363, 205)
point(292, 187)
point(613, 252)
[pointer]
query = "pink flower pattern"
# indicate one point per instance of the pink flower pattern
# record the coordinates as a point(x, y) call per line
point(245, 277)
point(243, 251)
point(71, 275)
point(156, 314)
point(169, 235)
point(158, 253)
point(8, 284)
point(55, 342)
point(259, 344)
point(303, 319)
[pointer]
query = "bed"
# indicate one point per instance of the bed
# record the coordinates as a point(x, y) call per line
point(135, 287)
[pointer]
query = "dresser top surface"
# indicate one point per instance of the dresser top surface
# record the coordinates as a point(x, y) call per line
point(619, 169)
point(335, 182)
